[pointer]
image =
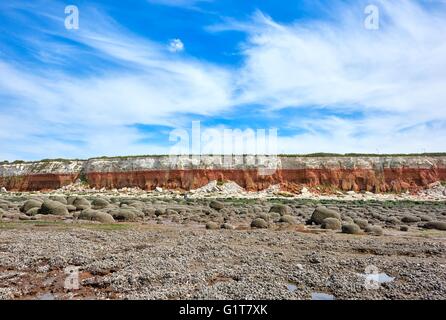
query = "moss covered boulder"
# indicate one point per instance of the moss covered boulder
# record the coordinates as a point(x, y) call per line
point(321, 213)
point(53, 207)
point(94, 215)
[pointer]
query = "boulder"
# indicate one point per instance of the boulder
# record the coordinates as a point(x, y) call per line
point(125, 214)
point(216, 205)
point(60, 199)
point(4, 205)
point(53, 207)
point(404, 228)
point(29, 204)
point(438, 225)
point(321, 213)
point(345, 219)
point(374, 230)
point(94, 215)
point(71, 208)
point(81, 203)
point(264, 216)
point(99, 203)
point(71, 199)
point(24, 217)
point(280, 209)
point(149, 212)
point(227, 226)
point(33, 211)
point(132, 203)
point(259, 223)
point(160, 212)
point(425, 218)
point(274, 216)
point(351, 229)
point(362, 223)
point(331, 224)
point(392, 220)
point(288, 219)
point(410, 219)
point(171, 212)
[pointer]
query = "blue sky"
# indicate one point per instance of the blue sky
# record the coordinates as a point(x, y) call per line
point(136, 70)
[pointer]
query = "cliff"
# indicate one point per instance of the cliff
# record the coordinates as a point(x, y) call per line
point(365, 173)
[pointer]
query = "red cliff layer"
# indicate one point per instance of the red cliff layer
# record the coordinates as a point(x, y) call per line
point(395, 180)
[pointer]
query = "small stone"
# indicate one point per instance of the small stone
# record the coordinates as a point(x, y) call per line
point(212, 225)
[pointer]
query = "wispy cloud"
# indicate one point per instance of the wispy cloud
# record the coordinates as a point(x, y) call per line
point(80, 93)
point(176, 45)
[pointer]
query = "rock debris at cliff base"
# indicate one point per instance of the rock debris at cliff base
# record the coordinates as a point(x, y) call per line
point(219, 248)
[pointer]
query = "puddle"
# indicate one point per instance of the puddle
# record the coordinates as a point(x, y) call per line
point(378, 277)
point(321, 296)
point(291, 287)
point(46, 296)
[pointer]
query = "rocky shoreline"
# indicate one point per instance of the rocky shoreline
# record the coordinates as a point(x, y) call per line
point(172, 246)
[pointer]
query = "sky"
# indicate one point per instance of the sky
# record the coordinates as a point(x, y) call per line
point(136, 73)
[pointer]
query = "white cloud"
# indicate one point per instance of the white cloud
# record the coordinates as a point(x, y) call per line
point(176, 45)
point(397, 68)
point(394, 76)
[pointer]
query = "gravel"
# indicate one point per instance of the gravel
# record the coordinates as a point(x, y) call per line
point(169, 254)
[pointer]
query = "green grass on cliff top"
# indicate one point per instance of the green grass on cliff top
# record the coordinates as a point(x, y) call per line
point(309, 155)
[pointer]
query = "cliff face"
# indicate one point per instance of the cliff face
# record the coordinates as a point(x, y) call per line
point(376, 174)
